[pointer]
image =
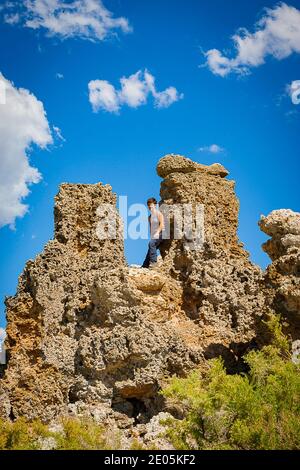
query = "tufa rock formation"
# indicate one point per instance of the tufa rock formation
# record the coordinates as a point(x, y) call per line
point(89, 335)
point(282, 277)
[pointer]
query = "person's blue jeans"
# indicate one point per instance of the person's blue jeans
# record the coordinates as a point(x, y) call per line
point(151, 256)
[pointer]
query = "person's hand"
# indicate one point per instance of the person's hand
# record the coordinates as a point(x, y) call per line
point(156, 235)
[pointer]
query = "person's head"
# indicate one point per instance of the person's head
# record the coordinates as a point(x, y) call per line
point(151, 203)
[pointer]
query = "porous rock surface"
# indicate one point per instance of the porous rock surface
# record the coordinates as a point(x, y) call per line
point(282, 277)
point(89, 335)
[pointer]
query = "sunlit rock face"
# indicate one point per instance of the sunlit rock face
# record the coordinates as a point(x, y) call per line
point(282, 277)
point(221, 287)
point(53, 302)
point(89, 335)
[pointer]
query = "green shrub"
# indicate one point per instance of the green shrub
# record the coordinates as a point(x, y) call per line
point(76, 434)
point(257, 410)
point(21, 435)
point(82, 434)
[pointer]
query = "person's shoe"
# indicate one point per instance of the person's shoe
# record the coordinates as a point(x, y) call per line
point(153, 265)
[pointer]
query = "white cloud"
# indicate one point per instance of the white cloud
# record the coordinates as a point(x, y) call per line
point(23, 122)
point(58, 133)
point(293, 90)
point(276, 34)
point(134, 92)
point(13, 18)
point(59, 76)
point(213, 148)
point(86, 19)
point(162, 99)
point(2, 352)
point(102, 95)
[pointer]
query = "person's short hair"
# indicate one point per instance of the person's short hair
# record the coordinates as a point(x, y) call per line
point(151, 200)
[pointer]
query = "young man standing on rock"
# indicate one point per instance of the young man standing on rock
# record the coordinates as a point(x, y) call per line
point(156, 221)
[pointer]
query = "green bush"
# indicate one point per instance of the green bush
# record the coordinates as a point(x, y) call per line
point(75, 434)
point(259, 409)
point(22, 435)
point(82, 434)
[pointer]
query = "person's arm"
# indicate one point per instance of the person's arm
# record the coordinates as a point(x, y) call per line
point(161, 225)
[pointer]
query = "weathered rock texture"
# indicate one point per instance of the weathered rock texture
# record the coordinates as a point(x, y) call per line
point(221, 287)
point(282, 277)
point(86, 334)
point(53, 301)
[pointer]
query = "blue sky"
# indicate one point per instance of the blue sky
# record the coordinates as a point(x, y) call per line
point(249, 113)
